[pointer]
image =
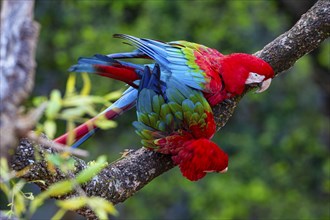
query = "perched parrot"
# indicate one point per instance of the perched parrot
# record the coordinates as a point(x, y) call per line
point(177, 120)
point(217, 76)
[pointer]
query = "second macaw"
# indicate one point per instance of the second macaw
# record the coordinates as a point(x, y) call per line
point(217, 76)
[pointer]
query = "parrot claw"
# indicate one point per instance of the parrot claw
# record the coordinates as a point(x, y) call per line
point(228, 101)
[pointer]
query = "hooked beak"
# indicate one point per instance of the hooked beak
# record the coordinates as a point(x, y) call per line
point(211, 171)
point(264, 85)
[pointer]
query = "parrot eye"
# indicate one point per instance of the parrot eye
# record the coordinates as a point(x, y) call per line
point(254, 78)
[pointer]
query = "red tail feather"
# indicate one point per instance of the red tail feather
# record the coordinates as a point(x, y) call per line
point(83, 129)
point(122, 73)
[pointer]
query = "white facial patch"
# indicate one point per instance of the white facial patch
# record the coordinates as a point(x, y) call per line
point(254, 78)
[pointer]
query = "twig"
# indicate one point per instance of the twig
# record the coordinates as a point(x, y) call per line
point(58, 147)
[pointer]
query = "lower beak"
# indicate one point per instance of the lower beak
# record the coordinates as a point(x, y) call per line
point(264, 85)
point(211, 171)
point(224, 170)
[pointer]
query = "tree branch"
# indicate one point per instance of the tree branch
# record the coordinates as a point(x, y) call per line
point(121, 179)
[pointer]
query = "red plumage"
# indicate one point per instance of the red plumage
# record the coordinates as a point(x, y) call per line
point(198, 157)
point(122, 73)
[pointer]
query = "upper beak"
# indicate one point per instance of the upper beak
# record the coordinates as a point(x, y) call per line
point(264, 85)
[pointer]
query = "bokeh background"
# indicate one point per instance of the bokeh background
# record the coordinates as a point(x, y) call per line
point(277, 141)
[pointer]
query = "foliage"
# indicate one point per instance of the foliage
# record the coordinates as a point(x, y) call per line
point(75, 106)
point(24, 205)
point(18, 200)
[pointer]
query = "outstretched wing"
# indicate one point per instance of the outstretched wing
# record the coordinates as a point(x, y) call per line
point(193, 64)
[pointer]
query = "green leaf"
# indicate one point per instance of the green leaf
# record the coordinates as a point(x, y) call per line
point(60, 188)
point(57, 189)
point(90, 110)
point(70, 85)
point(73, 113)
point(101, 207)
point(59, 214)
point(87, 85)
point(54, 104)
point(61, 161)
point(73, 203)
point(4, 169)
point(113, 95)
point(19, 204)
point(50, 128)
point(83, 100)
point(39, 100)
point(92, 170)
point(18, 187)
point(105, 123)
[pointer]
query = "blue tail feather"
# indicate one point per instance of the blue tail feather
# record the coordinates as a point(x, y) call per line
point(124, 103)
point(84, 138)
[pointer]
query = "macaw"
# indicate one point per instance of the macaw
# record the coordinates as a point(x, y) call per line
point(217, 76)
point(175, 119)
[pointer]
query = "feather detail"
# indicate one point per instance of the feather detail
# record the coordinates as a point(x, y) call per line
point(179, 115)
point(198, 157)
point(190, 63)
point(108, 67)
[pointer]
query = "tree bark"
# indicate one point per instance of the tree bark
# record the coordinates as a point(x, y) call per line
point(19, 35)
point(121, 179)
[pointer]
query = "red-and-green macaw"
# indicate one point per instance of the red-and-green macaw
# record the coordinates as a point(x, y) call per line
point(217, 76)
point(174, 119)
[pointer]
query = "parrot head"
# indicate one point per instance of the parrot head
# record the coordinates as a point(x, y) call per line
point(199, 157)
point(241, 69)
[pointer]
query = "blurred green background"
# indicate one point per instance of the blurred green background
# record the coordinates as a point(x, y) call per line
point(278, 141)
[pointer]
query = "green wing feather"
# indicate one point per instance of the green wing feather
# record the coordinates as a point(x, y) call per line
point(180, 107)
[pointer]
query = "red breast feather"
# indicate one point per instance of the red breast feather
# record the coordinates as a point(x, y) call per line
point(198, 157)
